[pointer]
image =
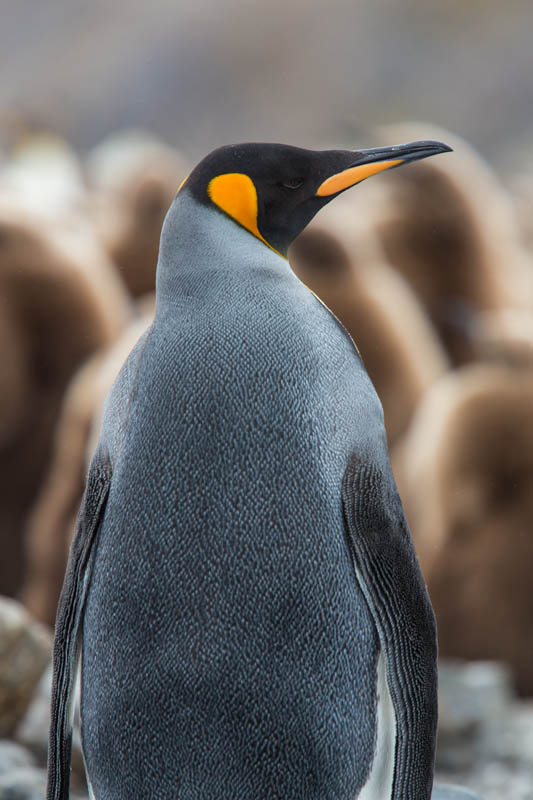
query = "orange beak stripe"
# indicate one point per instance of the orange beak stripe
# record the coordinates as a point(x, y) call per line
point(348, 177)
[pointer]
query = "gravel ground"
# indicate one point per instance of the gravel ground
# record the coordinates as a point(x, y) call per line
point(485, 731)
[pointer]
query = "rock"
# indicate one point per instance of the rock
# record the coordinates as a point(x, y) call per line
point(495, 781)
point(485, 732)
point(473, 701)
point(25, 650)
point(13, 756)
point(33, 731)
point(23, 783)
point(451, 792)
point(472, 693)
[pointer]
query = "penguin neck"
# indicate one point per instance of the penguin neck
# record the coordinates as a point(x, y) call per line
point(198, 244)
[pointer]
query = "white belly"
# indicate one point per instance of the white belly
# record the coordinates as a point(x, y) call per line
point(379, 783)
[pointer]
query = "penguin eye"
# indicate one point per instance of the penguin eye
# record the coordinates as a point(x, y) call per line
point(292, 183)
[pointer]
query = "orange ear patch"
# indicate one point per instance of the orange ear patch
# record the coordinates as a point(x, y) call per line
point(236, 195)
point(349, 177)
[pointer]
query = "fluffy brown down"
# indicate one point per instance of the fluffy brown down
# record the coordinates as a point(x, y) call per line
point(449, 227)
point(52, 521)
point(505, 337)
point(60, 301)
point(465, 473)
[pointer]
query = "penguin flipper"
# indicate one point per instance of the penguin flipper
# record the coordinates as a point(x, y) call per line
point(67, 628)
point(389, 575)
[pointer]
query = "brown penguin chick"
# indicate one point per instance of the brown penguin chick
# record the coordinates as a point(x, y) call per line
point(505, 337)
point(342, 263)
point(53, 517)
point(54, 512)
point(61, 301)
point(13, 369)
point(465, 473)
point(134, 179)
point(519, 167)
point(450, 228)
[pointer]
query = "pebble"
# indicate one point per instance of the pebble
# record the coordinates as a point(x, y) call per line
point(25, 650)
point(23, 783)
point(485, 746)
point(33, 731)
point(485, 732)
point(14, 756)
point(450, 792)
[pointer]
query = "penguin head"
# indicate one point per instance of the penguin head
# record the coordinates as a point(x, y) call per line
point(274, 190)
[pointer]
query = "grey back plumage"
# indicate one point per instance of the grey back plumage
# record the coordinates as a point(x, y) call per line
point(224, 627)
point(242, 588)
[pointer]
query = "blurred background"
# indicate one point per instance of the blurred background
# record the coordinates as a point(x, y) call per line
point(104, 108)
point(202, 73)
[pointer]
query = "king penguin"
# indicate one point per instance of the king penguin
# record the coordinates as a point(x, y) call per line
point(242, 590)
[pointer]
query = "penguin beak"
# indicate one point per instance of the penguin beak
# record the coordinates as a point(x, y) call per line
point(366, 163)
